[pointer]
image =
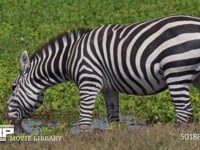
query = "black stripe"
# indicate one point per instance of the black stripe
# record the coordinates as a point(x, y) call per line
point(179, 95)
point(182, 73)
point(181, 63)
point(179, 89)
point(186, 81)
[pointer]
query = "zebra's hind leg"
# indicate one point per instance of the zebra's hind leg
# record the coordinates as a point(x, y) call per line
point(181, 101)
point(112, 106)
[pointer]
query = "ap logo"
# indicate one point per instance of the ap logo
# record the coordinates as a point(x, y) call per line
point(4, 130)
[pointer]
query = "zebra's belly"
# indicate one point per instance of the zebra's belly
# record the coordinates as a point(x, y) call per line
point(145, 88)
point(135, 85)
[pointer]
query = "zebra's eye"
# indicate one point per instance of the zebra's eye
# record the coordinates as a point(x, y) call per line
point(23, 74)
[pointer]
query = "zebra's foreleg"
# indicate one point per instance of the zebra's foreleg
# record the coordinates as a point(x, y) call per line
point(112, 106)
point(88, 92)
point(181, 101)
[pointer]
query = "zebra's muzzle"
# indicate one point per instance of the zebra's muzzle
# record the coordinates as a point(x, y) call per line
point(14, 121)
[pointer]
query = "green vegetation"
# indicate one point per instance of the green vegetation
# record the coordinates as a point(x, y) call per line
point(26, 24)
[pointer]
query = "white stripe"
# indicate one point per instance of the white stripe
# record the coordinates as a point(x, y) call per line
point(53, 62)
point(181, 69)
point(181, 78)
point(65, 42)
point(179, 92)
point(183, 56)
point(180, 99)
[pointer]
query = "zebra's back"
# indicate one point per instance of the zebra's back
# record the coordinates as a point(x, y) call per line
point(136, 58)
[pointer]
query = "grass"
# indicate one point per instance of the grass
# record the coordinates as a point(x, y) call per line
point(26, 24)
point(152, 138)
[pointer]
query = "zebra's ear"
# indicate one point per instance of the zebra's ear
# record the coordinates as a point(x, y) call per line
point(24, 62)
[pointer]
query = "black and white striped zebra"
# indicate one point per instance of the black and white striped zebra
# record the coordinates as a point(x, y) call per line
point(142, 58)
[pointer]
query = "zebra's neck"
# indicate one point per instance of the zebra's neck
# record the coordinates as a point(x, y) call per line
point(50, 63)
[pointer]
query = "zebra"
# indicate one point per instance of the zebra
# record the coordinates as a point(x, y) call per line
point(142, 58)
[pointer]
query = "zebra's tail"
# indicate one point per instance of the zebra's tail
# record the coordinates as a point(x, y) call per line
point(196, 81)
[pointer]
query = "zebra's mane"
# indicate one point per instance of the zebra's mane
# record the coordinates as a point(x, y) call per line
point(58, 38)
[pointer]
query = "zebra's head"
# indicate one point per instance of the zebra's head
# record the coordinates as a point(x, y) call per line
point(25, 97)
